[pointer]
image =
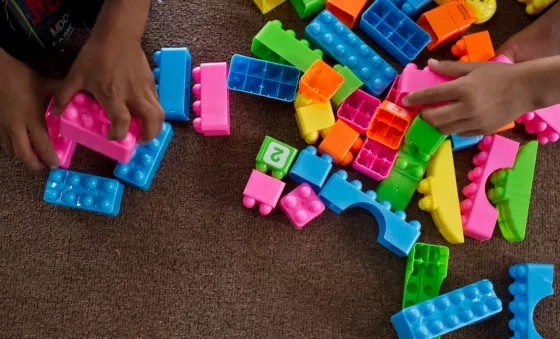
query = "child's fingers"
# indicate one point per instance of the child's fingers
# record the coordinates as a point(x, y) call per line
point(453, 69)
point(432, 95)
point(458, 127)
point(23, 150)
point(470, 133)
point(118, 114)
point(442, 115)
point(42, 144)
point(69, 87)
point(151, 114)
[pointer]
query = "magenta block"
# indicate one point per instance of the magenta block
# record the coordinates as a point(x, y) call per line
point(394, 94)
point(358, 110)
point(501, 58)
point(212, 94)
point(63, 147)
point(413, 79)
point(84, 121)
point(545, 123)
point(375, 160)
point(264, 190)
point(301, 205)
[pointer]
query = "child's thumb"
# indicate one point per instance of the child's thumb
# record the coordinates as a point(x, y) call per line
point(66, 92)
point(452, 69)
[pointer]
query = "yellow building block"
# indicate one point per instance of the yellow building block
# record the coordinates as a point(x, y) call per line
point(441, 194)
point(303, 100)
point(313, 120)
point(534, 7)
point(267, 5)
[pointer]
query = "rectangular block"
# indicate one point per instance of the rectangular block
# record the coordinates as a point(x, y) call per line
point(306, 8)
point(310, 168)
point(173, 80)
point(389, 124)
point(212, 105)
point(350, 85)
point(314, 119)
point(320, 82)
point(301, 206)
point(275, 156)
point(375, 160)
point(358, 110)
point(545, 123)
point(63, 147)
point(266, 6)
point(346, 11)
point(413, 79)
point(263, 190)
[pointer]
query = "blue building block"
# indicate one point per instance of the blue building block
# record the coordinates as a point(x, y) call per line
point(532, 283)
point(448, 312)
point(395, 233)
point(401, 37)
point(173, 82)
point(412, 8)
point(460, 143)
point(142, 168)
point(83, 191)
point(264, 78)
point(311, 168)
point(340, 43)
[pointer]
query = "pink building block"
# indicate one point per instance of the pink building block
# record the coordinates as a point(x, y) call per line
point(501, 58)
point(545, 123)
point(394, 94)
point(375, 160)
point(358, 110)
point(264, 190)
point(63, 147)
point(479, 217)
point(413, 79)
point(212, 105)
point(301, 205)
point(85, 122)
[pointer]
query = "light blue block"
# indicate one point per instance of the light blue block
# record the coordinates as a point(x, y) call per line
point(412, 8)
point(173, 82)
point(83, 191)
point(142, 168)
point(311, 168)
point(460, 143)
point(395, 233)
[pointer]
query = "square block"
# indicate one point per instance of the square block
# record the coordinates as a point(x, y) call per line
point(263, 190)
point(341, 141)
point(375, 160)
point(63, 147)
point(311, 168)
point(276, 156)
point(301, 205)
point(476, 47)
point(173, 79)
point(212, 104)
point(346, 11)
point(358, 110)
point(320, 81)
point(314, 119)
point(422, 140)
point(389, 124)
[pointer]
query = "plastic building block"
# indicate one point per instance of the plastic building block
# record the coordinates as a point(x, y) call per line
point(545, 123)
point(476, 47)
point(263, 190)
point(461, 143)
point(351, 84)
point(422, 140)
point(391, 29)
point(501, 58)
point(272, 43)
point(212, 105)
point(173, 81)
point(512, 193)
point(358, 110)
point(84, 121)
point(275, 156)
point(446, 22)
point(534, 7)
point(482, 10)
point(478, 215)
point(310, 168)
point(395, 233)
point(341, 141)
point(320, 82)
point(532, 283)
point(305, 8)
point(375, 160)
point(442, 196)
point(413, 79)
point(142, 168)
point(314, 119)
point(302, 100)
point(63, 147)
point(394, 94)
point(301, 205)
point(507, 127)
point(347, 12)
point(344, 46)
point(83, 191)
point(412, 7)
point(389, 124)
point(448, 312)
point(426, 268)
point(267, 5)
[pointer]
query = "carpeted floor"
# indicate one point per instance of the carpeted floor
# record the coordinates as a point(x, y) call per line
point(186, 260)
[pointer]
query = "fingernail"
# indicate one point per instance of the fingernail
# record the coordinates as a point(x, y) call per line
point(432, 61)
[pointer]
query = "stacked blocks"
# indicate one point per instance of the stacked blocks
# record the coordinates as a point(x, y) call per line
point(173, 82)
point(358, 110)
point(212, 105)
point(63, 147)
point(320, 82)
point(347, 12)
point(389, 124)
point(341, 142)
point(306, 8)
point(339, 42)
point(275, 156)
point(411, 7)
point(315, 119)
point(375, 160)
point(476, 47)
point(545, 123)
point(395, 233)
point(532, 283)
point(263, 190)
point(84, 192)
point(84, 121)
point(301, 205)
point(266, 6)
point(310, 168)
point(448, 312)
point(391, 29)
point(145, 162)
point(351, 84)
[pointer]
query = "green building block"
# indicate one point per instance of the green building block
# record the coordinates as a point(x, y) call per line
point(421, 140)
point(276, 156)
point(275, 44)
point(305, 8)
point(350, 85)
point(512, 192)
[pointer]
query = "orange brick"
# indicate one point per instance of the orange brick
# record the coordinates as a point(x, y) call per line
point(389, 124)
point(476, 47)
point(506, 127)
point(320, 82)
point(347, 11)
point(340, 142)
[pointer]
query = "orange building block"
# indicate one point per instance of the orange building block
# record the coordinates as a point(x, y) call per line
point(320, 82)
point(340, 142)
point(347, 11)
point(507, 127)
point(446, 22)
point(389, 124)
point(476, 47)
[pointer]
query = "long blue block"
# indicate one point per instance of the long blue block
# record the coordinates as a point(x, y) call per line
point(264, 78)
point(391, 29)
point(142, 168)
point(173, 82)
point(340, 43)
point(83, 191)
point(412, 8)
point(448, 312)
point(460, 143)
point(395, 233)
point(311, 168)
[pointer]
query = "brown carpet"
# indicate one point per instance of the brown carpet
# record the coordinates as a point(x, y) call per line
point(186, 260)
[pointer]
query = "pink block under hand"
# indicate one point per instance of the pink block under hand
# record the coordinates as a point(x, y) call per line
point(301, 205)
point(264, 190)
point(501, 58)
point(63, 147)
point(545, 123)
point(212, 94)
point(358, 110)
point(375, 160)
point(479, 217)
point(413, 79)
point(84, 121)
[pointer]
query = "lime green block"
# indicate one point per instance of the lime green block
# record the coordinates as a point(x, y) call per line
point(350, 85)
point(512, 192)
point(421, 140)
point(276, 156)
point(305, 8)
point(275, 44)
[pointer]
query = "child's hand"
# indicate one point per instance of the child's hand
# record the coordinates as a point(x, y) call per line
point(483, 98)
